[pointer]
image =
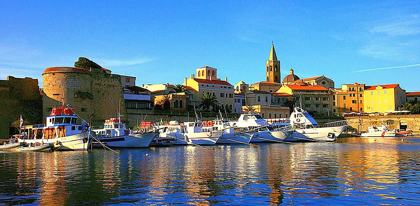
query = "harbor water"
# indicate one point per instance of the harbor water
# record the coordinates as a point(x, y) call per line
point(350, 171)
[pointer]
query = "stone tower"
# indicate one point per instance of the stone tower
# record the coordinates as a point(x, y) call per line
point(273, 67)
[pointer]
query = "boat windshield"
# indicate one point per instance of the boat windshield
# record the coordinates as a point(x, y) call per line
point(67, 120)
point(59, 120)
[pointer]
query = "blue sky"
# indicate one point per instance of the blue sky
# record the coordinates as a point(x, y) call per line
point(371, 42)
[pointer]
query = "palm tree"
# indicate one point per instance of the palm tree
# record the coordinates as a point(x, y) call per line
point(179, 88)
point(208, 100)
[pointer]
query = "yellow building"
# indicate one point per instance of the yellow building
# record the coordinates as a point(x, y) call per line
point(383, 98)
point(207, 82)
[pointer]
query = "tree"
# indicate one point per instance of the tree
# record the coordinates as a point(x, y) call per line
point(179, 88)
point(290, 102)
point(86, 63)
point(208, 100)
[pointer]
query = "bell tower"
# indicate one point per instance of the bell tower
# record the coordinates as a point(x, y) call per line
point(273, 67)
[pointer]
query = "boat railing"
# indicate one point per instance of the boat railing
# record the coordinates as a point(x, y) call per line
point(335, 124)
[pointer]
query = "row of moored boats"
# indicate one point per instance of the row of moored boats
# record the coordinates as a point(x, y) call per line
point(64, 130)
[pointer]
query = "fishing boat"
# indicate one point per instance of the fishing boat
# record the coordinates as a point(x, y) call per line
point(63, 129)
point(116, 135)
point(381, 131)
point(259, 129)
point(307, 129)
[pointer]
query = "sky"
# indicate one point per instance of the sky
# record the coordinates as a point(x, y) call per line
point(365, 42)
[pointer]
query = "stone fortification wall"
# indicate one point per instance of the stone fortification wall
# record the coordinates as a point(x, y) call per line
point(108, 97)
point(94, 93)
point(19, 96)
point(391, 121)
point(73, 85)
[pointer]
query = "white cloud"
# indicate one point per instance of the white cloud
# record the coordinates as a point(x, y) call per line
point(123, 63)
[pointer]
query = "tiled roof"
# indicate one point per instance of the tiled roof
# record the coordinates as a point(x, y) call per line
point(413, 94)
point(188, 88)
point(205, 81)
point(266, 83)
point(308, 79)
point(281, 94)
point(387, 86)
point(307, 87)
point(66, 69)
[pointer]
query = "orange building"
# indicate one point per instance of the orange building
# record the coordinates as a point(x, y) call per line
point(349, 98)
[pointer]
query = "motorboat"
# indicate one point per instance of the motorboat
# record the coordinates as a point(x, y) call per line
point(307, 129)
point(63, 129)
point(381, 131)
point(189, 133)
point(31, 148)
point(229, 136)
point(114, 134)
point(259, 129)
point(10, 144)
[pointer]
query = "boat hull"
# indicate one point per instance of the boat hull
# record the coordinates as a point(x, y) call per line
point(140, 140)
point(234, 138)
point(77, 142)
point(6, 146)
point(267, 136)
point(35, 148)
point(322, 134)
point(202, 138)
point(379, 134)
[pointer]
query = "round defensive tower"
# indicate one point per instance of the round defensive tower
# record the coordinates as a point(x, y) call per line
point(69, 84)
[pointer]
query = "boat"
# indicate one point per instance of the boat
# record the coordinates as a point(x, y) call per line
point(63, 129)
point(189, 133)
point(31, 148)
point(381, 131)
point(307, 129)
point(229, 136)
point(116, 135)
point(259, 129)
point(10, 144)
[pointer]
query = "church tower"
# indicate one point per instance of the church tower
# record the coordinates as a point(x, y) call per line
point(273, 67)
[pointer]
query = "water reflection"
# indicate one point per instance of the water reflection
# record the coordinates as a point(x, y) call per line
point(377, 170)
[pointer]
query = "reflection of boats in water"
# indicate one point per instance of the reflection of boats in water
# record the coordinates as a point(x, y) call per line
point(116, 135)
point(61, 130)
point(381, 131)
point(307, 129)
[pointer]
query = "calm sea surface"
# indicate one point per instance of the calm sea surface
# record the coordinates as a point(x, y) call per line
point(351, 171)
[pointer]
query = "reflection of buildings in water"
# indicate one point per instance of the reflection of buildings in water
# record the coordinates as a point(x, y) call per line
point(200, 172)
point(276, 166)
point(313, 168)
point(376, 159)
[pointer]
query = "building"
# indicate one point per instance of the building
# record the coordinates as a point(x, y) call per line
point(19, 96)
point(413, 96)
point(94, 93)
point(208, 82)
point(273, 75)
point(383, 98)
point(349, 98)
point(313, 98)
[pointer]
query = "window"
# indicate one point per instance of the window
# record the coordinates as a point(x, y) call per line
point(353, 101)
point(361, 95)
point(275, 68)
point(307, 98)
point(325, 105)
point(266, 99)
point(212, 73)
point(371, 93)
point(361, 102)
point(344, 97)
point(351, 109)
point(344, 106)
point(259, 99)
point(176, 104)
point(271, 68)
point(127, 79)
point(385, 92)
point(222, 94)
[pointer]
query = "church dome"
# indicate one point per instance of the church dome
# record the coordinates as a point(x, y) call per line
point(291, 77)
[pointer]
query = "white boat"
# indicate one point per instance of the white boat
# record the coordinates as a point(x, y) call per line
point(229, 135)
point(10, 145)
point(259, 129)
point(31, 148)
point(189, 133)
point(307, 129)
point(61, 130)
point(381, 131)
point(116, 135)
